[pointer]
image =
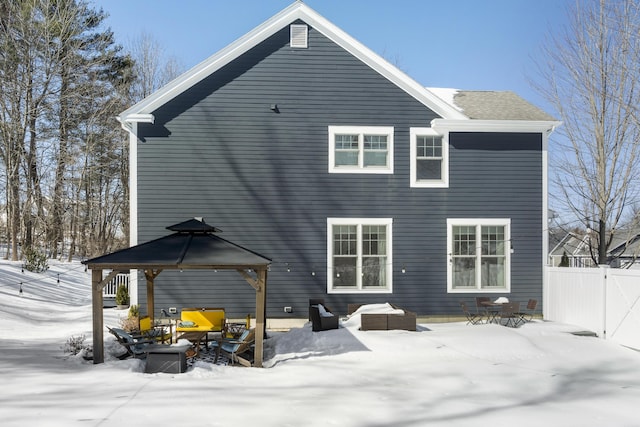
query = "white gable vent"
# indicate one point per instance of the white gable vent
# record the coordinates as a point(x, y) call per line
point(299, 35)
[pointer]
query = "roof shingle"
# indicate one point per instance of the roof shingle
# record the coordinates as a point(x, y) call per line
point(493, 105)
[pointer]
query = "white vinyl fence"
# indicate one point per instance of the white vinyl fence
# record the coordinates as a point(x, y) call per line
point(603, 300)
point(109, 290)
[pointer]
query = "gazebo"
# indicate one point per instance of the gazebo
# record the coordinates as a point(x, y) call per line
point(193, 245)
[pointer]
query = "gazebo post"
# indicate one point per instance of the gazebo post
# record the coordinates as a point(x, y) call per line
point(98, 320)
point(148, 274)
point(261, 293)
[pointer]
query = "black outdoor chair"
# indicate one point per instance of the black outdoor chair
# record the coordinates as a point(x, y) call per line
point(527, 314)
point(509, 314)
point(322, 319)
point(472, 318)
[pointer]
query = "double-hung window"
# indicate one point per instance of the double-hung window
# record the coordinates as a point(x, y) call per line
point(355, 149)
point(359, 255)
point(479, 255)
point(429, 158)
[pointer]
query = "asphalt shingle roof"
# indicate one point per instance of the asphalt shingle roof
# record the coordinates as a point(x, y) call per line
point(493, 105)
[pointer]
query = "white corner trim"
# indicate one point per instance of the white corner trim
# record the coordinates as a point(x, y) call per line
point(133, 185)
point(133, 205)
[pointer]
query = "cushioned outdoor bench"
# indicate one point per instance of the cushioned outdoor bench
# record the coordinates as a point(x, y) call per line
point(201, 320)
point(385, 321)
point(198, 322)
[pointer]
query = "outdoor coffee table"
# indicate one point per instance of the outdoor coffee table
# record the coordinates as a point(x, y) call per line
point(196, 337)
point(493, 310)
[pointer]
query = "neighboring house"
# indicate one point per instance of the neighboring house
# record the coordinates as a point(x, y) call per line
point(623, 251)
point(576, 249)
point(362, 185)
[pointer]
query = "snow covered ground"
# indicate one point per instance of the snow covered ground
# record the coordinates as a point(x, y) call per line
point(445, 374)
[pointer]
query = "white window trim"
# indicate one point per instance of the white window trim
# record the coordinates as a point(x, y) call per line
point(506, 222)
point(361, 131)
point(443, 182)
point(360, 221)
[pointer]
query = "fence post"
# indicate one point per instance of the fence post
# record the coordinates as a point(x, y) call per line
point(604, 270)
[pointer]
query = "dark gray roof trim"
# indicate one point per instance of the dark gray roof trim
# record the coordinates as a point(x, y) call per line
point(184, 249)
point(194, 225)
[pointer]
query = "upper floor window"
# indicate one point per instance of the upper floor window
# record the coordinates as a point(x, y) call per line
point(479, 253)
point(359, 255)
point(429, 158)
point(354, 149)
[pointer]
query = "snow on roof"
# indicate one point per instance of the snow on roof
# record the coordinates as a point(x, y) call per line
point(446, 94)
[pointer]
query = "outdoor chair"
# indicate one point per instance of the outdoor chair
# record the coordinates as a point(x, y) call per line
point(136, 346)
point(315, 301)
point(481, 308)
point(472, 318)
point(509, 314)
point(235, 349)
point(527, 314)
point(154, 332)
point(322, 319)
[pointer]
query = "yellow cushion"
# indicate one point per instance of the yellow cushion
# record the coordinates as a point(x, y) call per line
point(204, 320)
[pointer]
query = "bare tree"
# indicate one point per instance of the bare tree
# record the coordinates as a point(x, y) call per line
point(591, 75)
point(63, 157)
point(26, 73)
point(153, 69)
point(62, 81)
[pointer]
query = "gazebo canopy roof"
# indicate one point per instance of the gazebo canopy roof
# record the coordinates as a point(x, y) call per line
point(193, 246)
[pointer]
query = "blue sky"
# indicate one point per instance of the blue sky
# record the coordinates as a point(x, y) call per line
point(463, 44)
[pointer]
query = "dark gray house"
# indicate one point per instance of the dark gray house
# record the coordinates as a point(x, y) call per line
point(359, 183)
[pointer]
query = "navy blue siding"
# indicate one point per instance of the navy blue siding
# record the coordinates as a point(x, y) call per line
point(218, 151)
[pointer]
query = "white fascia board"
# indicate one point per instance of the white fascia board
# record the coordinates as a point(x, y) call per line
point(213, 63)
point(288, 15)
point(444, 125)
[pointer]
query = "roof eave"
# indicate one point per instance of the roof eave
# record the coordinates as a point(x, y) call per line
point(186, 266)
point(542, 126)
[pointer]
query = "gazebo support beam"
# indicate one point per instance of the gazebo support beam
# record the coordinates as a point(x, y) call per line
point(261, 299)
point(259, 283)
point(98, 321)
point(151, 275)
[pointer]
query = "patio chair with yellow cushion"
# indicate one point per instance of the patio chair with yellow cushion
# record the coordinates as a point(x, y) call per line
point(159, 333)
